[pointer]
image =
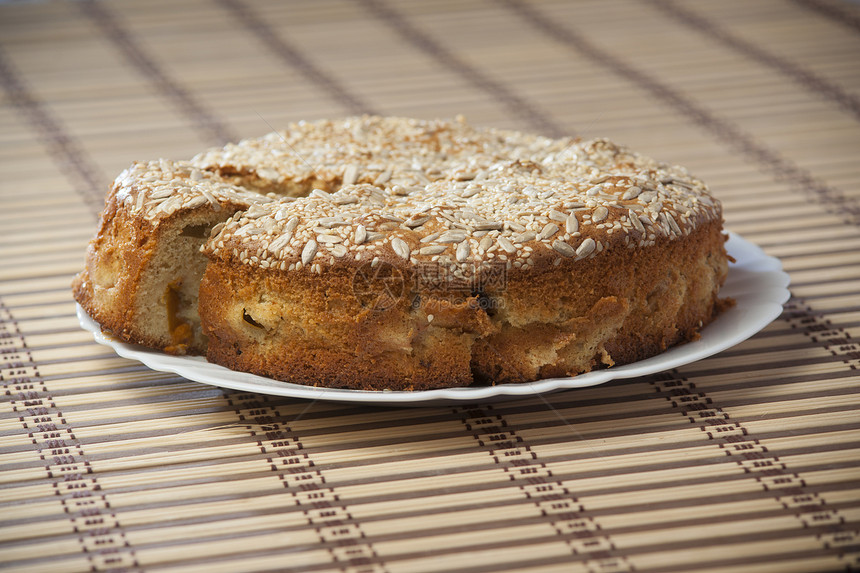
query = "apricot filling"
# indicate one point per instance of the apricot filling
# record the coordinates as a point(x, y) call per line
point(180, 331)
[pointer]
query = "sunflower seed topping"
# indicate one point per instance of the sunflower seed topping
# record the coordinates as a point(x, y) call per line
point(586, 247)
point(631, 193)
point(486, 242)
point(400, 247)
point(463, 251)
point(548, 231)
point(452, 236)
point(431, 237)
point(382, 178)
point(350, 175)
point(489, 226)
point(634, 220)
point(268, 173)
point(673, 223)
point(563, 248)
point(309, 252)
point(416, 222)
point(360, 235)
point(462, 195)
point(525, 237)
point(432, 250)
point(557, 216)
point(507, 246)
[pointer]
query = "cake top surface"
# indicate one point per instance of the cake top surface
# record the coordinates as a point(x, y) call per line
point(398, 154)
point(157, 189)
point(447, 193)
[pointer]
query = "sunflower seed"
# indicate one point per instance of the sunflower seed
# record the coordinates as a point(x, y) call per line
point(586, 247)
point(452, 236)
point(430, 237)
point(195, 202)
point(400, 247)
point(279, 243)
point(360, 235)
point(162, 193)
point(463, 251)
point(525, 237)
point(350, 175)
point(548, 231)
point(432, 250)
point(637, 224)
point(291, 224)
point(489, 226)
point(412, 223)
point(382, 178)
point(268, 173)
point(673, 223)
point(212, 201)
point(309, 252)
point(563, 248)
point(557, 216)
point(507, 245)
point(571, 224)
point(631, 193)
point(599, 214)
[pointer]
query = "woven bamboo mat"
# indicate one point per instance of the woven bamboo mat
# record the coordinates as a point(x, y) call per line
point(747, 461)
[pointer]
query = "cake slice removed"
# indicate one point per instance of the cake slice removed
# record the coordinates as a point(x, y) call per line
point(144, 264)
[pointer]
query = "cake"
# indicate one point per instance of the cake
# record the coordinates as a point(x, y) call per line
point(396, 254)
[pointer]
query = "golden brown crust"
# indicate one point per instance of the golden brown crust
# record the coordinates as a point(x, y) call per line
point(628, 305)
point(304, 329)
point(400, 254)
point(313, 329)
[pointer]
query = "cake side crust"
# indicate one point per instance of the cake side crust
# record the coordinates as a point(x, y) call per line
point(316, 329)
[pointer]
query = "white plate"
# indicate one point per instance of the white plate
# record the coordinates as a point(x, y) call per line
point(756, 281)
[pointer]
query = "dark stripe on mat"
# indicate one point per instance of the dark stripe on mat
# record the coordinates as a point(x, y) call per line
point(808, 79)
point(293, 57)
point(519, 106)
point(212, 130)
point(68, 154)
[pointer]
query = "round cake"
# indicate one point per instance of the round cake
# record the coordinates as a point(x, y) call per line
point(395, 254)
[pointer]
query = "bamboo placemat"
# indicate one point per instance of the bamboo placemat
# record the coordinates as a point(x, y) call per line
point(747, 461)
